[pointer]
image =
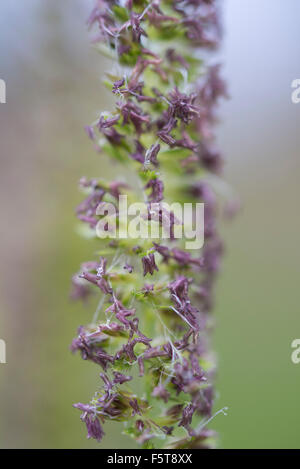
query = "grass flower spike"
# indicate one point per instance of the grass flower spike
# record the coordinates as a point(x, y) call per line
point(150, 338)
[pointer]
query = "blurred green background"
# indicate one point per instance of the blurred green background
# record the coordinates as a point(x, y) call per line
point(54, 88)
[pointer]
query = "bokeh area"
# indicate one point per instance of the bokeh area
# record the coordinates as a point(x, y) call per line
point(54, 88)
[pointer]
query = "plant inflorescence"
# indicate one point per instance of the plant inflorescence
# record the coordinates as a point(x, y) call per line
point(150, 334)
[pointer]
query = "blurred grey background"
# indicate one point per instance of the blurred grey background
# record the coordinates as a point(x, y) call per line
point(54, 88)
